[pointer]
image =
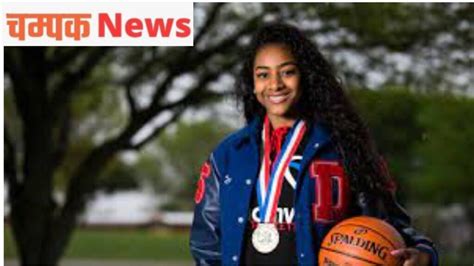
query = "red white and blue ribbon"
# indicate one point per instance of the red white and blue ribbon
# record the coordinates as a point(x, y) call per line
point(270, 180)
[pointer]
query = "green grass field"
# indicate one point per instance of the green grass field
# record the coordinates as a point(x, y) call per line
point(120, 244)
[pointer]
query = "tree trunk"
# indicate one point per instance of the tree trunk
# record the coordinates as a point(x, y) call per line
point(30, 235)
point(32, 205)
point(80, 189)
point(42, 229)
point(45, 240)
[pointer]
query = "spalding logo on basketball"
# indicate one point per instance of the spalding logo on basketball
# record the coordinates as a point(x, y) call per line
point(360, 241)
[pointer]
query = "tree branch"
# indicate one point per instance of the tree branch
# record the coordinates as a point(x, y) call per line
point(64, 56)
point(11, 175)
point(29, 92)
point(156, 131)
point(131, 101)
point(83, 180)
point(71, 80)
point(11, 62)
point(161, 91)
point(185, 63)
point(62, 142)
point(211, 18)
point(197, 94)
point(224, 45)
point(80, 188)
point(182, 64)
point(141, 70)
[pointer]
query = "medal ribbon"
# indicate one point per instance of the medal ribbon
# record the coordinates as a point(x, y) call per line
point(270, 180)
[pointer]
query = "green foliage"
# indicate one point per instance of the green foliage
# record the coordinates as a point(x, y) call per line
point(185, 149)
point(77, 151)
point(395, 26)
point(118, 175)
point(426, 139)
point(96, 107)
point(446, 170)
point(96, 114)
point(391, 117)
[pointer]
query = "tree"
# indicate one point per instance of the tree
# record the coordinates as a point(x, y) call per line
point(44, 83)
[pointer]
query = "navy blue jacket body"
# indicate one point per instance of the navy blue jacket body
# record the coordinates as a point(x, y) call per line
point(221, 210)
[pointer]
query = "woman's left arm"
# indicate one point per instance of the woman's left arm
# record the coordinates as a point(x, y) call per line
point(420, 249)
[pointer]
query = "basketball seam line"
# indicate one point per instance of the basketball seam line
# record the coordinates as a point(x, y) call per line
point(352, 256)
point(378, 233)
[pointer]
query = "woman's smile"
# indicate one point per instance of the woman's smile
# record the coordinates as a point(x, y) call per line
point(278, 98)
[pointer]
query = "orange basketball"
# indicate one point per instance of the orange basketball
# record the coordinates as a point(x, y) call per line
point(360, 241)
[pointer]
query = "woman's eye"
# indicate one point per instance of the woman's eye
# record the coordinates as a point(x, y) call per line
point(262, 75)
point(289, 72)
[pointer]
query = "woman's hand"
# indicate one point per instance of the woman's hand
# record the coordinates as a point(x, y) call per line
point(412, 257)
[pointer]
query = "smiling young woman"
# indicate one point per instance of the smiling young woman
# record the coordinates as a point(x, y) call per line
point(270, 192)
point(277, 83)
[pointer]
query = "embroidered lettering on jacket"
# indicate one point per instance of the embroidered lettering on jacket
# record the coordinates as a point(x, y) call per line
point(201, 184)
point(331, 191)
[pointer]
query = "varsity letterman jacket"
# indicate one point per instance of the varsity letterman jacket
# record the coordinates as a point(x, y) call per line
point(227, 181)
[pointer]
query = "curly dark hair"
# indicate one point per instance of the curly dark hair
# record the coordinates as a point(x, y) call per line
point(323, 101)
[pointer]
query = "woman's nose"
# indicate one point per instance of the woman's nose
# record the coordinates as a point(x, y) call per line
point(276, 82)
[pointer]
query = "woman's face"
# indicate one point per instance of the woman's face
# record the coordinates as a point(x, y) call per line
point(276, 80)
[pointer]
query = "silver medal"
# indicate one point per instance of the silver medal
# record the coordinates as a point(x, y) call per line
point(265, 238)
